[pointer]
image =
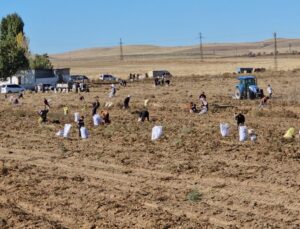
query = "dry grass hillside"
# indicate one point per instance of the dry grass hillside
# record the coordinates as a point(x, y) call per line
point(181, 61)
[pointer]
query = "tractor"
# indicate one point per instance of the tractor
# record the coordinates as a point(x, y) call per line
point(247, 88)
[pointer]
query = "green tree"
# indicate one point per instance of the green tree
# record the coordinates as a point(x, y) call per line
point(13, 46)
point(11, 26)
point(12, 59)
point(40, 62)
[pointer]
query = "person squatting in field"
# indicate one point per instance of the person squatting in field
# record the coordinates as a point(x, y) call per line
point(240, 119)
point(143, 115)
point(43, 115)
point(204, 106)
point(105, 116)
point(263, 102)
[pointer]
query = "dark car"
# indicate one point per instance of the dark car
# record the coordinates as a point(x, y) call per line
point(79, 78)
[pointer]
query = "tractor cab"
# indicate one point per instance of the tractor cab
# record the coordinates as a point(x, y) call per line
point(247, 88)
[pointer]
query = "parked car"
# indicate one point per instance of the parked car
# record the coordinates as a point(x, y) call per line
point(79, 78)
point(108, 77)
point(11, 88)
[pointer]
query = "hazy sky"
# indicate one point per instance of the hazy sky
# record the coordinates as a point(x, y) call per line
point(55, 26)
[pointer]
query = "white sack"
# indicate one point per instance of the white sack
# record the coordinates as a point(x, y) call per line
point(66, 130)
point(157, 132)
point(224, 128)
point(60, 133)
point(84, 133)
point(76, 117)
point(243, 133)
point(96, 119)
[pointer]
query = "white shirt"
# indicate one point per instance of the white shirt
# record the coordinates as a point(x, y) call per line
point(269, 90)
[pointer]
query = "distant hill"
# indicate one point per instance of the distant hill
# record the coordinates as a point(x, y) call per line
point(213, 49)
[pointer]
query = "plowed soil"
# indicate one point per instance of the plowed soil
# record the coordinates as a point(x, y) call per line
point(119, 178)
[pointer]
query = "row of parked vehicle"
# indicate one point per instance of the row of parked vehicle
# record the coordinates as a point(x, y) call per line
point(81, 80)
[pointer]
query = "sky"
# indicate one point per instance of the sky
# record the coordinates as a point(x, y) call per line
point(56, 26)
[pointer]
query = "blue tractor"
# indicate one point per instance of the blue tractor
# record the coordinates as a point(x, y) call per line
point(247, 88)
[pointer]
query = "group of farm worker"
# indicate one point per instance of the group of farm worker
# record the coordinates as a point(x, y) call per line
point(104, 114)
point(204, 104)
point(144, 114)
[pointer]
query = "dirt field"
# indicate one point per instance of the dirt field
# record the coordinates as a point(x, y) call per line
point(119, 178)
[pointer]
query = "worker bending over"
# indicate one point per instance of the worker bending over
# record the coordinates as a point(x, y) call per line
point(143, 115)
point(240, 119)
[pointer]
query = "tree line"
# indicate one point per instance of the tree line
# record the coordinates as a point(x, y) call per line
point(14, 49)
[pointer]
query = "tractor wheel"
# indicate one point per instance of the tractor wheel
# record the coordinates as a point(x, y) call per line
point(251, 95)
point(238, 94)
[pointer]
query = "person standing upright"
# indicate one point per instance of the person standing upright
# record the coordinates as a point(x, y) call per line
point(270, 90)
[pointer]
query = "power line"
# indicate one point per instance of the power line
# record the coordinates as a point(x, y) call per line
point(121, 50)
point(201, 47)
point(275, 51)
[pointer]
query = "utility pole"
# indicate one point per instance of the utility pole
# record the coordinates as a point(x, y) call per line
point(275, 51)
point(121, 50)
point(201, 48)
point(290, 48)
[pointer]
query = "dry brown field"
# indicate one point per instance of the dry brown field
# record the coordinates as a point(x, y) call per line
point(119, 178)
point(180, 61)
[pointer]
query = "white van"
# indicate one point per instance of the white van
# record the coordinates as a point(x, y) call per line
point(11, 88)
